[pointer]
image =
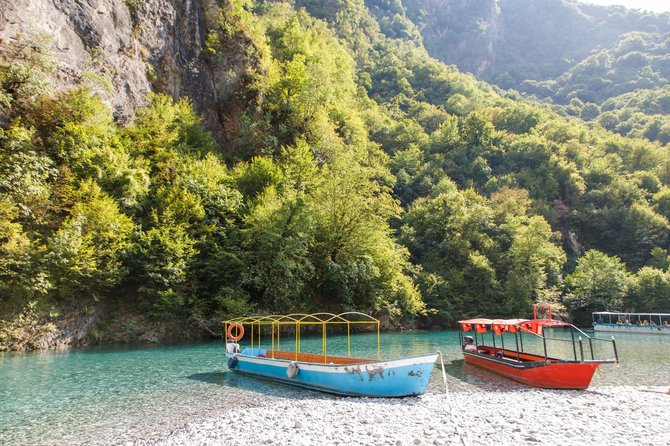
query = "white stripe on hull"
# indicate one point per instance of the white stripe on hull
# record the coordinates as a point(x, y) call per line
point(339, 368)
point(646, 329)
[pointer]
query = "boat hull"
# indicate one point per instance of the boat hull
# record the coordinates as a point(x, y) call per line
point(553, 374)
point(631, 328)
point(392, 378)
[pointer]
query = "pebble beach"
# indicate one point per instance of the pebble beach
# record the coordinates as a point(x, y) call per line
point(617, 415)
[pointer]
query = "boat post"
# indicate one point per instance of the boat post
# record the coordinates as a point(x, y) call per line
point(348, 339)
point(379, 342)
point(324, 348)
point(493, 336)
point(591, 348)
point(574, 348)
point(544, 343)
point(297, 339)
point(516, 338)
point(581, 348)
point(616, 354)
point(520, 337)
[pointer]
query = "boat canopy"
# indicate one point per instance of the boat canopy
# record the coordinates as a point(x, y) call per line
point(625, 313)
point(350, 317)
point(276, 322)
point(500, 326)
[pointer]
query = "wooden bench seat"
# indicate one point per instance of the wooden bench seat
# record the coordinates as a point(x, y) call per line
point(311, 357)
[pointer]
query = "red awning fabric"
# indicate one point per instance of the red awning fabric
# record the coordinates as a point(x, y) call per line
point(500, 326)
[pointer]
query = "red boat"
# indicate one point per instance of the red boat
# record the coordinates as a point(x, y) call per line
point(533, 369)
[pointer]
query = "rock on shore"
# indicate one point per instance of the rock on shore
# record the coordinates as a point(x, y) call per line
point(601, 415)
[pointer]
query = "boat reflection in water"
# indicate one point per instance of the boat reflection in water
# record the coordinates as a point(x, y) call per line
point(340, 375)
point(485, 347)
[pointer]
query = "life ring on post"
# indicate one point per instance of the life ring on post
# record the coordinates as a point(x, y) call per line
point(240, 332)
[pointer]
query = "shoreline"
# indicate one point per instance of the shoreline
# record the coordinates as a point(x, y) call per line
point(613, 415)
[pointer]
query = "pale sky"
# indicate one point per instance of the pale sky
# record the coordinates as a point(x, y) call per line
point(651, 5)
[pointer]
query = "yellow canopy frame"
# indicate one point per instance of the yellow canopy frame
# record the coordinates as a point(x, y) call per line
point(299, 319)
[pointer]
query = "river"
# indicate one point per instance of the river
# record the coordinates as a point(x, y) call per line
point(118, 395)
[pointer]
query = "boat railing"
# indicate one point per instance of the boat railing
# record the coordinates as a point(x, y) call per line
point(536, 328)
point(580, 342)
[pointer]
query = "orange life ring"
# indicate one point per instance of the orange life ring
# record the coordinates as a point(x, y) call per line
point(240, 332)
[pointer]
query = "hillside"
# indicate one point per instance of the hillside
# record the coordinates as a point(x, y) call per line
point(598, 63)
point(166, 164)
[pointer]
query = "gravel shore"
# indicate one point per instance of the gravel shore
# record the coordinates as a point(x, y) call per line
point(600, 415)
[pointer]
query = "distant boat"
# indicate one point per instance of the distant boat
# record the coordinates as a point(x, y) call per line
point(533, 369)
point(643, 323)
point(339, 375)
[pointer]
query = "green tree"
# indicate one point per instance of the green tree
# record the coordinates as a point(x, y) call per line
point(84, 255)
point(535, 266)
point(15, 247)
point(25, 173)
point(598, 283)
point(359, 264)
point(159, 261)
point(278, 235)
point(650, 290)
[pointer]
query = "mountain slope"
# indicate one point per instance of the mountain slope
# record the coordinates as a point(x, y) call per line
point(574, 54)
point(337, 166)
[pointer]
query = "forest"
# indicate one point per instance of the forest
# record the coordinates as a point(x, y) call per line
point(367, 176)
point(603, 64)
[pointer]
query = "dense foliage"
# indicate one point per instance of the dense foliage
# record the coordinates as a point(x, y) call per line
point(608, 65)
point(369, 177)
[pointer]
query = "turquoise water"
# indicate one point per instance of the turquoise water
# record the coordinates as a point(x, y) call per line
point(112, 396)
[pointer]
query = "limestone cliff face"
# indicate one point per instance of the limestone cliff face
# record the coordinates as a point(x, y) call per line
point(507, 42)
point(459, 32)
point(141, 46)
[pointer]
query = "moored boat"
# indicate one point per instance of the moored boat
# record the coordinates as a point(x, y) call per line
point(531, 368)
point(642, 323)
point(342, 375)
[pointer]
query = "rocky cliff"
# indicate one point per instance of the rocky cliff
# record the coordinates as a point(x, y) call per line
point(127, 49)
point(507, 42)
point(460, 32)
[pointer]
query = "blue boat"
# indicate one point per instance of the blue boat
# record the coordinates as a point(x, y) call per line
point(341, 375)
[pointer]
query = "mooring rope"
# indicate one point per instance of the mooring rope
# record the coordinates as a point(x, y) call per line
point(465, 441)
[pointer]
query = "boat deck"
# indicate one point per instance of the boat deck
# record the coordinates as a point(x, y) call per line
point(511, 355)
